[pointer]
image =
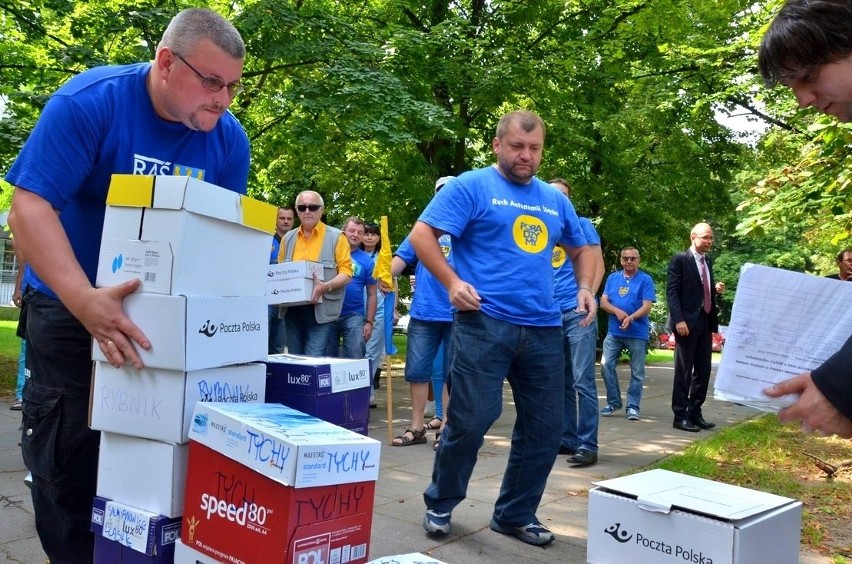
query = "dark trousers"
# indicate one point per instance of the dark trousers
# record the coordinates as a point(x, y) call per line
point(693, 355)
point(58, 447)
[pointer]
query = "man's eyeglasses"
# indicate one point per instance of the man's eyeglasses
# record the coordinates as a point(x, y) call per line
point(211, 83)
point(706, 238)
point(629, 259)
point(306, 207)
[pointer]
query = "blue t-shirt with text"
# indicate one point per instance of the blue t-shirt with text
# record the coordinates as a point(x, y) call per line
point(563, 269)
point(503, 236)
point(103, 122)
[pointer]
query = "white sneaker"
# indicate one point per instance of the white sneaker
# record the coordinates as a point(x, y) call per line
point(28, 480)
point(429, 408)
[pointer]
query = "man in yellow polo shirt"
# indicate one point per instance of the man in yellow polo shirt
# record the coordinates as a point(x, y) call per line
point(309, 326)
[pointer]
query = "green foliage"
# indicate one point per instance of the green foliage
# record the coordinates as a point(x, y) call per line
point(369, 102)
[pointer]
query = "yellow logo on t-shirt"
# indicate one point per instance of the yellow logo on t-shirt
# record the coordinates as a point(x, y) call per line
point(530, 233)
point(559, 257)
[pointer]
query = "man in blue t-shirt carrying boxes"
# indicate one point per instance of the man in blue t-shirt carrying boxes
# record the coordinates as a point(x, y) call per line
point(168, 116)
point(504, 223)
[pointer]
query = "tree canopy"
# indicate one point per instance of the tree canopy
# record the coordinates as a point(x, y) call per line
point(369, 102)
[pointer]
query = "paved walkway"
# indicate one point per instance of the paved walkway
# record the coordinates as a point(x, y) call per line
point(625, 447)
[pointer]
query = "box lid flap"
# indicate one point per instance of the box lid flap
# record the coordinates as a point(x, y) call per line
point(662, 490)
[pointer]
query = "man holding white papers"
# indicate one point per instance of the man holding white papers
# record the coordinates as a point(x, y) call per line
point(807, 48)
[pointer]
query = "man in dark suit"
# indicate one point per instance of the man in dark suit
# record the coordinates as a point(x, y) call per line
point(694, 318)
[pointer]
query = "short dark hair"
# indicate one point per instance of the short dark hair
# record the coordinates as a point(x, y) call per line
point(563, 182)
point(528, 121)
point(804, 35)
point(370, 227)
point(842, 253)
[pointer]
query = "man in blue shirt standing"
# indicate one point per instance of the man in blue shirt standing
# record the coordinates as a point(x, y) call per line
point(628, 297)
point(504, 223)
point(580, 430)
point(352, 327)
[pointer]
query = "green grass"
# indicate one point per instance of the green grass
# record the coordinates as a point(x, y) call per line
point(401, 343)
point(765, 455)
point(10, 345)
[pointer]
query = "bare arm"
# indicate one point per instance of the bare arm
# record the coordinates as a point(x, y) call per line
point(371, 311)
point(600, 268)
point(44, 243)
point(424, 239)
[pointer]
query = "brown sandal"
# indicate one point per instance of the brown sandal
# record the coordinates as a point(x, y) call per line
point(432, 425)
point(416, 438)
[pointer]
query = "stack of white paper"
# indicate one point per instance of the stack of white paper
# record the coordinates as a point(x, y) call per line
point(783, 324)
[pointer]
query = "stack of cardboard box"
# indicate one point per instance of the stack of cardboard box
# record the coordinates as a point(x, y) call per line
point(200, 252)
point(269, 484)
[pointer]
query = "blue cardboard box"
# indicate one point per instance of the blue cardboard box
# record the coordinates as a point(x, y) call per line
point(127, 535)
point(336, 390)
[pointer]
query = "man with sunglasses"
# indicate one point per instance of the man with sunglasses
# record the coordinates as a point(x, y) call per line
point(690, 291)
point(166, 117)
point(310, 326)
point(808, 47)
point(628, 297)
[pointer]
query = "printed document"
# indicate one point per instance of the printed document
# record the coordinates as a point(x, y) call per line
point(783, 324)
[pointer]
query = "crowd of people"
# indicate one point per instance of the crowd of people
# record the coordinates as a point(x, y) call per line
point(481, 229)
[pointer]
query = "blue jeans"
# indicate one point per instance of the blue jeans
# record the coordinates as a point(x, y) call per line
point(22, 371)
point(351, 328)
point(57, 445)
point(612, 347)
point(580, 429)
point(277, 331)
point(486, 351)
point(304, 335)
point(424, 341)
point(439, 366)
point(376, 345)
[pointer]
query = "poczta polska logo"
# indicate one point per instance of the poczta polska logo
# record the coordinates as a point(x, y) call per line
point(210, 328)
point(679, 552)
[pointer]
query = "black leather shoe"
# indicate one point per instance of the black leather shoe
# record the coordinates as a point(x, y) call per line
point(685, 425)
point(702, 423)
point(566, 450)
point(583, 457)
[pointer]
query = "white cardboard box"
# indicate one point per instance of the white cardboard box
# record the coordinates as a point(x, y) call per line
point(659, 516)
point(291, 447)
point(290, 292)
point(192, 333)
point(146, 474)
point(158, 404)
point(292, 283)
point(181, 235)
point(411, 558)
point(294, 269)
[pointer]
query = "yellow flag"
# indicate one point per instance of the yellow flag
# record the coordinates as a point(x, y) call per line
point(382, 270)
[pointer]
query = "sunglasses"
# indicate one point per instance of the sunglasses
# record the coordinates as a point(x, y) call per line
point(306, 207)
